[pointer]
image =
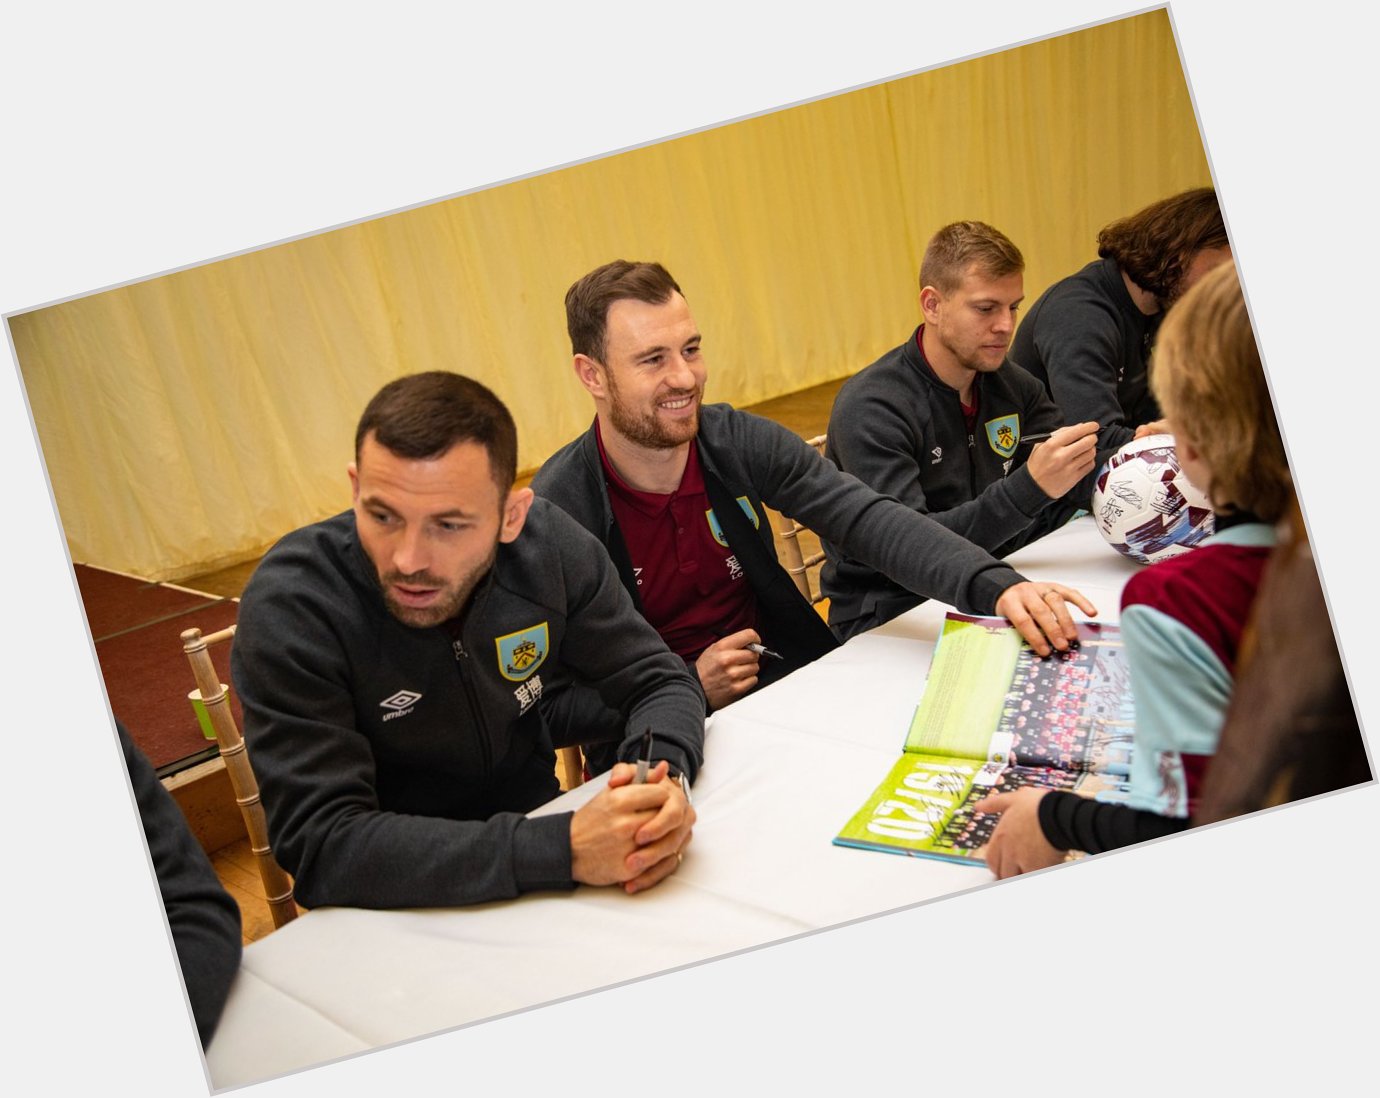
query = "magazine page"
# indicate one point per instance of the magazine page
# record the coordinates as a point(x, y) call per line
point(972, 669)
point(989, 697)
point(925, 805)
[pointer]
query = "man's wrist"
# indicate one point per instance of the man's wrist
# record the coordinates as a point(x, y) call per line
point(674, 756)
point(542, 853)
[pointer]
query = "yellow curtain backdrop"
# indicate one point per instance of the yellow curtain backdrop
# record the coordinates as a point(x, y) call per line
point(190, 420)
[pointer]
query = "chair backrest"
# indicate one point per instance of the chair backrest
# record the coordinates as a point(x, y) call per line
point(797, 563)
point(572, 764)
point(277, 884)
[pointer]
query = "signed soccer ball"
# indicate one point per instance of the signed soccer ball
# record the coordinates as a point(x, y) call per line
point(1145, 506)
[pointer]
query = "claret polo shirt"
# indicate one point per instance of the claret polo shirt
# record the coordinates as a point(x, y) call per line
point(692, 587)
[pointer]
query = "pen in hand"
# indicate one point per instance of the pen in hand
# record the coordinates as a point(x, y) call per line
point(644, 758)
point(762, 650)
point(1038, 436)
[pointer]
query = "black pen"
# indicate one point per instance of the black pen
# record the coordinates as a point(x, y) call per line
point(644, 758)
point(1039, 436)
point(762, 650)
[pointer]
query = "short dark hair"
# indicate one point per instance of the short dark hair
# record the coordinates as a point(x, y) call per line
point(956, 247)
point(422, 416)
point(587, 302)
point(1155, 245)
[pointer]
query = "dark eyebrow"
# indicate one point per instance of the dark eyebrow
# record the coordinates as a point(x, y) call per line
point(374, 503)
point(662, 348)
point(453, 513)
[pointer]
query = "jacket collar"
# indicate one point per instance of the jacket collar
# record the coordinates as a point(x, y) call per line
point(914, 357)
point(594, 466)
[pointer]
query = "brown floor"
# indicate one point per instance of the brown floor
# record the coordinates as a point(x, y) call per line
point(234, 865)
point(805, 412)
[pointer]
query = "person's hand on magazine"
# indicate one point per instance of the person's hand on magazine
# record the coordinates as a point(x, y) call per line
point(1040, 611)
point(1018, 845)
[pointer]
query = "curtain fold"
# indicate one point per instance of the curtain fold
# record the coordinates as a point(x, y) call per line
point(189, 421)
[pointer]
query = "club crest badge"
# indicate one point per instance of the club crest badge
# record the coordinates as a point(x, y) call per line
point(521, 653)
point(1003, 434)
point(717, 530)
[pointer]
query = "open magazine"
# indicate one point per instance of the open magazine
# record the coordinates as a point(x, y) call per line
point(995, 717)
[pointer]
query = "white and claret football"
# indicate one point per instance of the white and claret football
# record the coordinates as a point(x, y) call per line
point(1145, 505)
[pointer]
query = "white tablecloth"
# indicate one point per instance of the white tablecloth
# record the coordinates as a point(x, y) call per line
point(784, 770)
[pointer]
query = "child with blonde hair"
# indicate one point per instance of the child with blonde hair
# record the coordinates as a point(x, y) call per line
point(1181, 619)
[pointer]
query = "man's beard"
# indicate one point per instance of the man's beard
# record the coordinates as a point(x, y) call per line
point(448, 604)
point(973, 361)
point(647, 430)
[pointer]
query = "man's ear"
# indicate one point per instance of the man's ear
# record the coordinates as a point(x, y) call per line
point(353, 470)
point(930, 299)
point(591, 375)
point(515, 510)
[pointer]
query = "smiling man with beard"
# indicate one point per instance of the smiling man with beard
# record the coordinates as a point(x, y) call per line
point(675, 490)
point(391, 660)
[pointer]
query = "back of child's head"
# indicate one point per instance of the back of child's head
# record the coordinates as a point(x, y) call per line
point(1211, 387)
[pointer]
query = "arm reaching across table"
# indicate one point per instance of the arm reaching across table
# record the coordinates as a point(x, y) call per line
point(1040, 613)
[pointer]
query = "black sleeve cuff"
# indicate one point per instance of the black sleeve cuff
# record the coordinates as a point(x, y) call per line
point(695, 674)
point(1073, 822)
point(988, 586)
point(541, 853)
point(676, 759)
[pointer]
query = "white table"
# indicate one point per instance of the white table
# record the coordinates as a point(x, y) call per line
point(784, 770)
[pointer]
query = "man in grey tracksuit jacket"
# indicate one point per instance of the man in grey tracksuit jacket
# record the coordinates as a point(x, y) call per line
point(900, 429)
point(392, 660)
point(396, 763)
point(655, 446)
point(744, 455)
point(1088, 337)
point(1088, 344)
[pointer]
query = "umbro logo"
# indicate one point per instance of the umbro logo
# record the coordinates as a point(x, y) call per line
point(400, 703)
point(936, 454)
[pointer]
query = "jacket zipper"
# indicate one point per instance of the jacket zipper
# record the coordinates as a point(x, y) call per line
point(972, 466)
point(462, 662)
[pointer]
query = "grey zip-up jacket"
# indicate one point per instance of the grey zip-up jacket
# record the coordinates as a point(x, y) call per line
point(395, 762)
point(900, 429)
point(203, 918)
point(744, 455)
point(1088, 344)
